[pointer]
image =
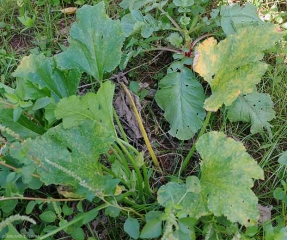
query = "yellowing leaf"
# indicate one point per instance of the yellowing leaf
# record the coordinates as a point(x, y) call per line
point(233, 66)
point(226, 178)
point(69, 10)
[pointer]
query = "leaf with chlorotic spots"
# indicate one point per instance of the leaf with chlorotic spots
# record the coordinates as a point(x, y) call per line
point(70, 157)
point(93, 106)
point(256, 108)
point(179, 197)
point(226, 178)
point(233, 66)
point(235, 16)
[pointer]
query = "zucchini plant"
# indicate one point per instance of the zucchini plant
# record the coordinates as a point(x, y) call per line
point(64, 139)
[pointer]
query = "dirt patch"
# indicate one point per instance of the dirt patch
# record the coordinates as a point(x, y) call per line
point(20, 43)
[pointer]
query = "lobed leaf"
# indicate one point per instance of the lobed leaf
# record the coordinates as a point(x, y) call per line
point(95, 42)
point(179, 197)
point(226, 178)
point(40, 77)
point(256, 108)
point(183, 3)
point(181, 96)
point(98, 107)
point(136, 21)
point(134, 4)
point(234, 17)
point(24, 127)
point(233, 66)
point(63, 156)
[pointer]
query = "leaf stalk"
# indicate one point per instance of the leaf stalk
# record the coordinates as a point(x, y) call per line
point(192, 150)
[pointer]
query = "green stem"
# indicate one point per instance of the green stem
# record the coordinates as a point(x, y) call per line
point(192, 150)
point(109, 171)
point(144, 168)
point(123, 134)
point(137, 170)
point(171, 19)
point(147, 188)
point(77, 219)
point(120, 156)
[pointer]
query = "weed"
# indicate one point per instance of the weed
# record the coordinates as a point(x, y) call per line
point(63, 162)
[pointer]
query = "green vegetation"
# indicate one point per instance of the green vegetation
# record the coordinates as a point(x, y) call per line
point(204, 159)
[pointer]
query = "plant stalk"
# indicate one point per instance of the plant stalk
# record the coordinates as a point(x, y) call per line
point(124, 136)
point(15, 169)
point(142, 129)
point(192, 150)
point(137, 170)
point(121, 158)
point(70, 223)
point(147, 187)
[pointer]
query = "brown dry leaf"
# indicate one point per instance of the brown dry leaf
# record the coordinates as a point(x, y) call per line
point(124, 111)
point(265, 213)
point(69, 10)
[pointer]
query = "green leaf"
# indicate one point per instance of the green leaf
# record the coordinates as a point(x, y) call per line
point(69, 157)
point(95, 42)
point(13, 234)
point(226, 178)
point(8, 206)
point(35, 183)
point(128, 24)
point(233, 66)
point(152, 229)
point(256, 108)
point(78, 234)
point(252, 231)
point(41, 103)
point(92, 214)
point(24, 127)
point(43, 73)
point(181, 96)
point(6, 88)
point(133, 4)
point(48, 216)
point(136, 22)
point(193, 184)
point(175, 39)
point(234, 17)
point(279, 193)
point(67, 210)
point(132, 227)
point(183, 3)
point(99, 107)
point(30, 206)
point(283, 158)
point(17, 113)
point(179, 197)
point(112, 211)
